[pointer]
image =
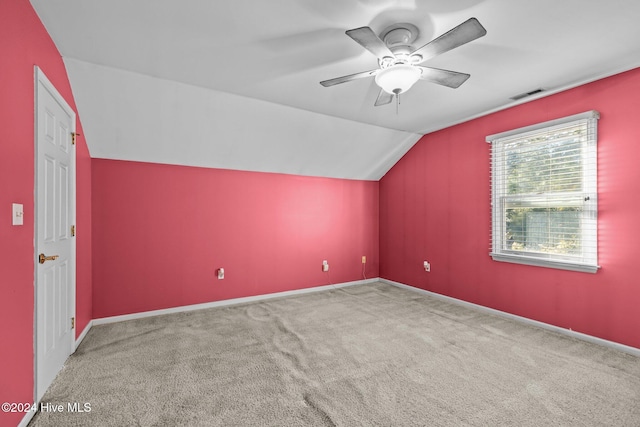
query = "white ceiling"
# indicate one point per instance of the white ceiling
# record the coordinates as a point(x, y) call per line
point(234, 84)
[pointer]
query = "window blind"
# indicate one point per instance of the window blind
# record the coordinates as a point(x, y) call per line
point(544, 194)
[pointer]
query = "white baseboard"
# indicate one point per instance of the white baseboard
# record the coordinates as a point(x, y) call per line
point(224, 303)
point(26, 419)
point(589, 338)
point(611, 344)
point(84, 333)
point(29, 415)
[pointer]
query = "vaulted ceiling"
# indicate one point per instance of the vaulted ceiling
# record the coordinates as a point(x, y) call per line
point(235, 84)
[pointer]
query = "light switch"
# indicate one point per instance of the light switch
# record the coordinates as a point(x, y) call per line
point(18, 212)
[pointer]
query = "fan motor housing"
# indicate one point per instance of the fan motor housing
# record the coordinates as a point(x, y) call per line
point(399, 39)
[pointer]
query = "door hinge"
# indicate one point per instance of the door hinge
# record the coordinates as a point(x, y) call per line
point(73, 231)
point(73, 323)
point(73, 137)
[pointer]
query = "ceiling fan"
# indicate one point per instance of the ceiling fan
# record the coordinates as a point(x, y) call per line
point(399, 62)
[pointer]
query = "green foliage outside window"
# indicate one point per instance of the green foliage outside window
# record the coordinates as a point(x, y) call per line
point(549, 165)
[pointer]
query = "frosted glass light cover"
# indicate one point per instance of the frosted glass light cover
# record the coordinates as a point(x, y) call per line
point(398, 78)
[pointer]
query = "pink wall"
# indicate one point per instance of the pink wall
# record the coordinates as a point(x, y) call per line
point(23, 44)
point(434, 205)
point(160, 232)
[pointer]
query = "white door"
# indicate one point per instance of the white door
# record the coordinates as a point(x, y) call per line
point(55, 248)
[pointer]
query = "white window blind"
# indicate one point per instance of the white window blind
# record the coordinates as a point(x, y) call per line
point(544, 194)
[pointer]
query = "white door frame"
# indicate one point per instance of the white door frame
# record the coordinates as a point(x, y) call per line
point(42, 82)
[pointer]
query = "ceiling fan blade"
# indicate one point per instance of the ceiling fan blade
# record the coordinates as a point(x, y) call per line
point(443, 77)
point(350, 77)
point(463, 33)
point(370, 41)
point(384, 98)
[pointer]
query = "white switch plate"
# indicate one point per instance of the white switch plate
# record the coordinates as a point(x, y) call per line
point(18, 213)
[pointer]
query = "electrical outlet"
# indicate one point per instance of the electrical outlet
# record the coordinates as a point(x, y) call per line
point(325, 265)
point(364, 259)
point(427, 266)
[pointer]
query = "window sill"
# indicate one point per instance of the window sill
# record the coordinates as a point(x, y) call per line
point(562, 265)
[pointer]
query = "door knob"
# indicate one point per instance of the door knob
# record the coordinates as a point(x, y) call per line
point(42, 258)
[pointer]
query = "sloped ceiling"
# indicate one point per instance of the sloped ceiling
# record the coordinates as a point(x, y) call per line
point(235, 84)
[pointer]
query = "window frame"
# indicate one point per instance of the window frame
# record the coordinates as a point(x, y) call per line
point(589, 237)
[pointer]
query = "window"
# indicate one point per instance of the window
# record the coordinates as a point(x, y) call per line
point(544, 194)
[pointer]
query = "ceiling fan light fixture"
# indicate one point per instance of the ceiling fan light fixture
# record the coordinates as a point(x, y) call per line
point(398, 78)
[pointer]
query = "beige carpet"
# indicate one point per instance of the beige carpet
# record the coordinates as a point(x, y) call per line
point(368, 355)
